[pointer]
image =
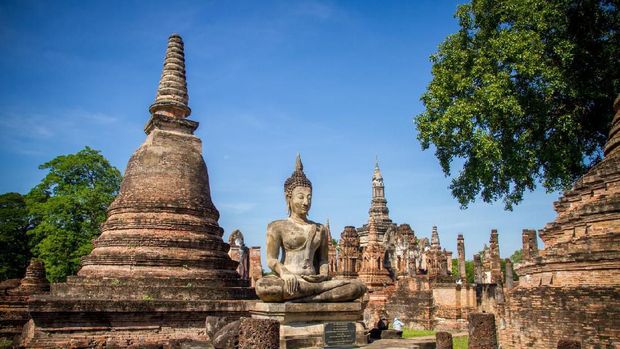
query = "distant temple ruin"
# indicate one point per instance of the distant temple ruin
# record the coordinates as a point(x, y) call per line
point(407, 277)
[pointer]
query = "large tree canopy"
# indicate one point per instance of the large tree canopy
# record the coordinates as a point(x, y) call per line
point(67, 208)
point(14, 224)
point(522, 94)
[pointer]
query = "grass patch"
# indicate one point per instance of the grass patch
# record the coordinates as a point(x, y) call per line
point(5, 343)
point(460, 342)
point(411, 333)
point(457, 342)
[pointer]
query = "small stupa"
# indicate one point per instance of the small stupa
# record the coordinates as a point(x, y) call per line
point(160, 265)
point(373, 271)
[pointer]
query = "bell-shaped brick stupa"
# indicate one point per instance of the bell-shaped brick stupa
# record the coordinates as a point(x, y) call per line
point(160, 265)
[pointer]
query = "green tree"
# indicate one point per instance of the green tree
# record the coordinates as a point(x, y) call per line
point(14, 224)
point(67, 208)
point(469, 270)
point(522, 94)
point(517, 256)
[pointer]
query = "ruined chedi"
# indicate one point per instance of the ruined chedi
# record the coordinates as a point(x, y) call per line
point(373, 272)
point(160, 264)
point(570, 290)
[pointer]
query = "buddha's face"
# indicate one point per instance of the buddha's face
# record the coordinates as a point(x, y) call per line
point(300, 201)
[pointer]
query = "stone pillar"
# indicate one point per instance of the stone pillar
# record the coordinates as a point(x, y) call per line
point(444, 340)
point(569, 344)
point(449, 261)
point(259, 334)
point(533, 243)
point(530, 244)
point(525, 249)
point(482, 334)
point(495, 262)
point(460, 246)
point(477, 269)
point(508, 274)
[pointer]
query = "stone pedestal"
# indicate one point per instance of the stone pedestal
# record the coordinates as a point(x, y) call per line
point(304, 325)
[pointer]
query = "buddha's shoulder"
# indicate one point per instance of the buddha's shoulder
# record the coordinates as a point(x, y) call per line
point(278, 223)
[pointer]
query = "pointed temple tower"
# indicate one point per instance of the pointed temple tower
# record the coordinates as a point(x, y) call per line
point(574, 282)
point(378, 209)
point(437, 259)
point(332, 255)
point(160, 265)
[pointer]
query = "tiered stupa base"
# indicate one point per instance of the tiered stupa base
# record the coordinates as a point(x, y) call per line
point(98, 323)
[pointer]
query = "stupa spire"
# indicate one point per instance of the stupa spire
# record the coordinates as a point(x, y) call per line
point(377, 174)
point(613, 142)
point(172, 98)
point(435, 244)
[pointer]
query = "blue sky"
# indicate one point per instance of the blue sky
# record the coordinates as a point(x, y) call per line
point(338, 82)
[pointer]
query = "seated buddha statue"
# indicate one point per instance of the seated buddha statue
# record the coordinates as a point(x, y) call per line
point(301, 272)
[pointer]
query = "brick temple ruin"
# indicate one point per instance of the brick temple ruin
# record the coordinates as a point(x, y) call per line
point(407, 277)
point(570, 290)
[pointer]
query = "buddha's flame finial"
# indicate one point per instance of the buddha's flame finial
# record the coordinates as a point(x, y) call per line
point(298, 165)
point(172, 98)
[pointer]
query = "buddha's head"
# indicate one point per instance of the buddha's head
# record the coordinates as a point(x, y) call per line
point(298, 191)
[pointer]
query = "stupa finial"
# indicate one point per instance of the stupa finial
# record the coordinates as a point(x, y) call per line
point(172, 98)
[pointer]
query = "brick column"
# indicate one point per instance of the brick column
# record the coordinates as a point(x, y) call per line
point(259, 334)
point(444, 340)
point(569, 344)
point(482, 333)
point(477, 269)
point(508, 274)
point(460, 247)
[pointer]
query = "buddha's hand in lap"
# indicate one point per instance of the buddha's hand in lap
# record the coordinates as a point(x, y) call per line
point(315, 278)
point(291, 284)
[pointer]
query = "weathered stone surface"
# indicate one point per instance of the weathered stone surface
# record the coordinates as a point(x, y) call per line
point(259, 334)
point(373, 272)
point(228, 336)
point(568, 344)
point(482, 332)
point(460, 246)
point(34, 282)
point(14, 295)
point(349, 256)
point(214, 324)
point(391, 334)
point(444, 340)
point(302, 325)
